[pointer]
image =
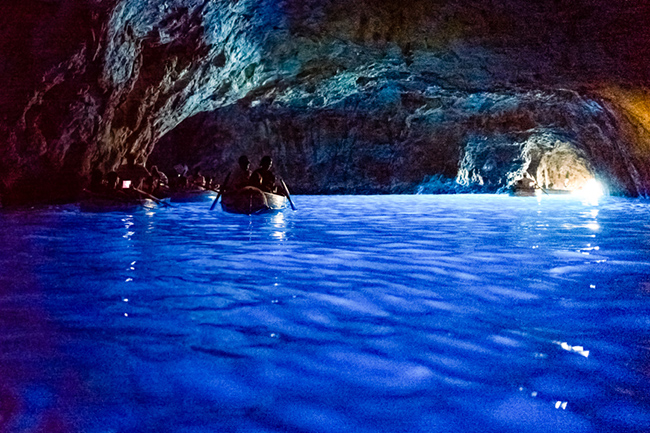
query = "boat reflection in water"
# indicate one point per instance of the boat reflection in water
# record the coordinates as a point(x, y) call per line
point(279, 224)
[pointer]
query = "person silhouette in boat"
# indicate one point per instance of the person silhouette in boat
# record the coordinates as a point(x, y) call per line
point(163, 180)
point(96, 181)
point(242, 175)
point(263, 178)
point(112, 181)
point(196, 179)
point(112, 188)
point(132, 171)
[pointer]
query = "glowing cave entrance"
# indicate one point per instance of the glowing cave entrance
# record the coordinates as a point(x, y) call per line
point(545, 162)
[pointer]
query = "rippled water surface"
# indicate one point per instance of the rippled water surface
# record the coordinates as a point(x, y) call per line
point(352, 314)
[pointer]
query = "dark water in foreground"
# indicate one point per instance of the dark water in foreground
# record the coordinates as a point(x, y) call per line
point(353, 314)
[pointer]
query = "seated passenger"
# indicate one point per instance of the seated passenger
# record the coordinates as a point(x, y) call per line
point(263, 178)
point(242, 173)
point(196, 179)
point(182, 184)
point(112, 181)
point(96, 181)
point(112, 189)
point(132, 171)
point(162, 177)
point(150, 184)
point(526, 182)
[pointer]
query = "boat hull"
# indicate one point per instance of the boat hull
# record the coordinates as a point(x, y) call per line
point(530, 192)
point(103, 204)
point(251, 200)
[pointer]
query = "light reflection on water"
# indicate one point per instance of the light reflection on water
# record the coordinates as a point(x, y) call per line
point(376, 313)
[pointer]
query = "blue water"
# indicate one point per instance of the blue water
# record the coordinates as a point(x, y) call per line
point(353, 314)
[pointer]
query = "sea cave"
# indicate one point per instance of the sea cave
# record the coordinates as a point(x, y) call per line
point(370, 97)
point(404, 286)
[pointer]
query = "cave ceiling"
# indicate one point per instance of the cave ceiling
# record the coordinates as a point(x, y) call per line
point(365, 96)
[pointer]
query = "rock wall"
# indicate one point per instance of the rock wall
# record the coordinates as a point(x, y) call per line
point(94, 80)
point(374, 96)
point(405, 139)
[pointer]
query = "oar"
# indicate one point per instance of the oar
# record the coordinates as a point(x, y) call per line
point(284, 185)
point(223, 186)
point(152, 197)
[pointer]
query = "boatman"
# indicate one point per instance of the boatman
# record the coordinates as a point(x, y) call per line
point(263, 178)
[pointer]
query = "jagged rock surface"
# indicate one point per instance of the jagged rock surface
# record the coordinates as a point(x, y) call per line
point(404, 139)
point(375, 96)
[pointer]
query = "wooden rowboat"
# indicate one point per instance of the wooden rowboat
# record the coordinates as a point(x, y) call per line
point(528, 187)
point(95, 202)
point(531, 192)
point(251, 200)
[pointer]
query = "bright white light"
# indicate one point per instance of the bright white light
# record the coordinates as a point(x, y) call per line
point(578, 349)
point(565, 346)
point(592, 190)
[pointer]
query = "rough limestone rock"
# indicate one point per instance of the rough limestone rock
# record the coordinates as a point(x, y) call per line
point(370, 96)
point(401, 138)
